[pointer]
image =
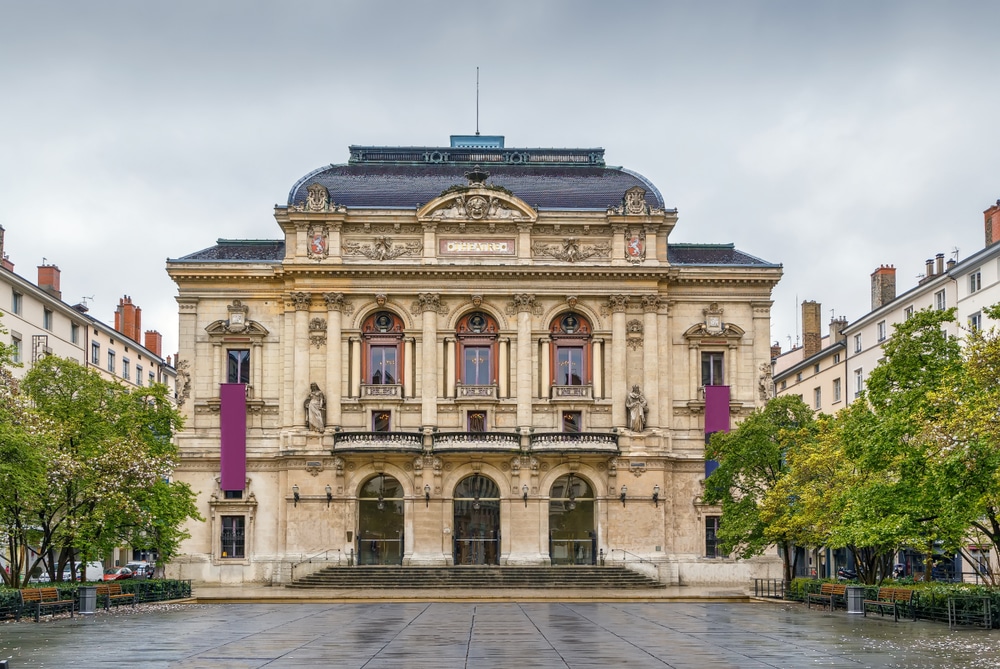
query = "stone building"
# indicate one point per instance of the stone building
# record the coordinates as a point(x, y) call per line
point(464, 355)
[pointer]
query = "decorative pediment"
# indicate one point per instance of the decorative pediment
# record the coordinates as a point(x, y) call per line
point(477, 203)
point(238, 323)
point(726, 331)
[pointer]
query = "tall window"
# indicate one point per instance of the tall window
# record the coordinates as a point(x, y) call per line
point(238, 366)
point(138, 375)
point(908, 313)
point(111, 361)
point(381, 421)
point(570, 334)
point(857, 343)
point(975, 281)
point(817, 398)
point(939, 301)
point(880, 328)
point(126, 368)
point(383, 339)
point(233, 536)
point(95, 353)
point(477, 421)
point(976, 321)
point(17, 349)
point(572, 421)
point(859, 382)
point(712, 537)
point(836, 390)
point(74, 333)
point(47, 319)
point(15, 302)
point(477, 344)
point(712, 369)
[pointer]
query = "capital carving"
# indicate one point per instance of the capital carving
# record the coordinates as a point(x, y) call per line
point(301, 300)
point(618, 303)
point(338, 302)
point(522, 302)
point(651, 302)
point(427, 302)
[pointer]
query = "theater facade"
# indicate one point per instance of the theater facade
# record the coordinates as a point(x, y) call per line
point(464, 355)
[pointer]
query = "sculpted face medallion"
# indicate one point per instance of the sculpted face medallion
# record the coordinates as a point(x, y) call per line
point(476, 207)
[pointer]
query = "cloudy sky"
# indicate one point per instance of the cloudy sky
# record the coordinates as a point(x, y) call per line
point(831, 137)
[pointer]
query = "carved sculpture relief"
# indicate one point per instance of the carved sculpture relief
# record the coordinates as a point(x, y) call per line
point(238, 321)
point(428, 302)
point(319, 243)
point(523, 302)
point(318, 200)
point(635, 246)
point(383, 248)
point(317, 332)
point(571, 250)
point(634, 204)
point(634, 334)
point(183, 382)
point(617, 303)
point(300, 300)
point(338, 302)
point(765, 384)
point(315, 406)
point(637, 408)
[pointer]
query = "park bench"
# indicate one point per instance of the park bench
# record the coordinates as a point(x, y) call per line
point(112, 592)
point(828, 595)
point(889, 599)
point(47, 598)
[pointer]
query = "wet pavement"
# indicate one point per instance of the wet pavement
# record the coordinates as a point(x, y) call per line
point(446, 635)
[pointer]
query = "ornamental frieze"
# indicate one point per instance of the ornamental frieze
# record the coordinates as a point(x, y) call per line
point(571, 250)
point(383, 248)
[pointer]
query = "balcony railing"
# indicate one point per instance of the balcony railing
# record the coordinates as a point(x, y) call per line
point(601, 442)
point(464, 392)
point(572, 393)
point(382, 391)
point(476, 441)
point(378, 441)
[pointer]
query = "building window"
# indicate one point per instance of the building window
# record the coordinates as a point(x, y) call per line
point(477, 349)
point(95, 353)
point(152, 378)
point(836, 358)
point(880, 329)
point(857, 343)
point(126, 369)
point(939, 301)
point(111, 361)
point(47, 319)
point(477, 421)
point(975, 281)
point(976, 321)
point(233, 494)
point(836, 390)
point(712, 368)
point(233, 536)
point(712, 537)
point(383, 341)
point(798, 377)
point(859, 382)
point(138, 375)
point(74, 333)
point(381, 421)
point(570, 336)
point(15, 302)
point(907, 313)
point(17, 349)
point(572, 421)
point(238, 365)
point(817, 398)
point(784, 384)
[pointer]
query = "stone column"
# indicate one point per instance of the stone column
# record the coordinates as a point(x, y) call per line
point(355, 344)
point(651, 359)
point(524, 304)
point(503, 373)
point(619, 384)
point(666, 369)
point(410, 369)
point(449, 368)
point(336, 305)
point(544, 368)
point(597, 348)
point(300, 364)
point(429, 303)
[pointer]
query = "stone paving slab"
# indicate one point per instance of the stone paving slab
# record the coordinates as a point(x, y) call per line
point(453, 635)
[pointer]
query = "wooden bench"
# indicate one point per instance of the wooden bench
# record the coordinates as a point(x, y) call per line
point(890, 599)
point(48, 598)
point(112, 592)
point(827, 595)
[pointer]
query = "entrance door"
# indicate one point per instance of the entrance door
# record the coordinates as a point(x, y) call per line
point(572, 536)
point(477, 521)
point(380, 521)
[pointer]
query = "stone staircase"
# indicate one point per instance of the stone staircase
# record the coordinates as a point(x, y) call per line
point(492, 577)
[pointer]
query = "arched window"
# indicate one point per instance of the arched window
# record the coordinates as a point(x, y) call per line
point(383, 357)
point(477, 349)
point(571, 335)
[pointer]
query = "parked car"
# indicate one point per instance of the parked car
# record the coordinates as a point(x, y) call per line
point(117, 573)
point(141, 569)
point(846, 574)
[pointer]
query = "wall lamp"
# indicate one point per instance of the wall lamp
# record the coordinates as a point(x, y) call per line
point(624, 492)
point(329, 495)
point(656, 496)
point(524, 491)
point(295, 495)
point(427, 495)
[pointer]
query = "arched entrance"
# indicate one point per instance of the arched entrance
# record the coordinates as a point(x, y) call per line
point(380, 521)
point(572, 535)
point(477, 521)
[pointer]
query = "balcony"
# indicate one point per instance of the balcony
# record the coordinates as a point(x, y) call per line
point(572, 393)
point(476, 441)
point(582, 442)
point(365, 442)
point(382, 391)
point(463, 392)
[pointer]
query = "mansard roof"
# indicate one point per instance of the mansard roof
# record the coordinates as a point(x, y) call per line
point(408, 177)
point(712, 254)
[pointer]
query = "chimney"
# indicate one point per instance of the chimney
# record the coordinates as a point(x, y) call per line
point(154, 342)
point(884, 285)
point(48, 280)
point(951, 264)
point(811, 336)
point(939, 264)
point(128, 319)
point(837, 326)
point(775, 350)
point(992, 216)
point(929, 269)
point(4, 261)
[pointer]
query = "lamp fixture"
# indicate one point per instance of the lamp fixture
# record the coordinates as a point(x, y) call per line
point(295, 495)
point(656, 496)
point(524, 495)
point(624, 492)
point(329, 495)
point(427, 495)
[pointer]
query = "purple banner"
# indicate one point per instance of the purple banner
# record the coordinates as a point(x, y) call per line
point(233, 432)
point(716, 409)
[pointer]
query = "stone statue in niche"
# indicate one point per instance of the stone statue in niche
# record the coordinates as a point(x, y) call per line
point(636, 405)
point(315, 406)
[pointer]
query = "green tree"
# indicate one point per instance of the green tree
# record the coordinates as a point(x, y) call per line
point(752, 461)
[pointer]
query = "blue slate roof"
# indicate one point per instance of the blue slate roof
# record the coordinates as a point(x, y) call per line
point(712, 254)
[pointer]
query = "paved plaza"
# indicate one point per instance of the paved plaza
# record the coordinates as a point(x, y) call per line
point(454, 635)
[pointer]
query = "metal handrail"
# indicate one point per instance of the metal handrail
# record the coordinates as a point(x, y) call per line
point(611, 555)
point(312, 558)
